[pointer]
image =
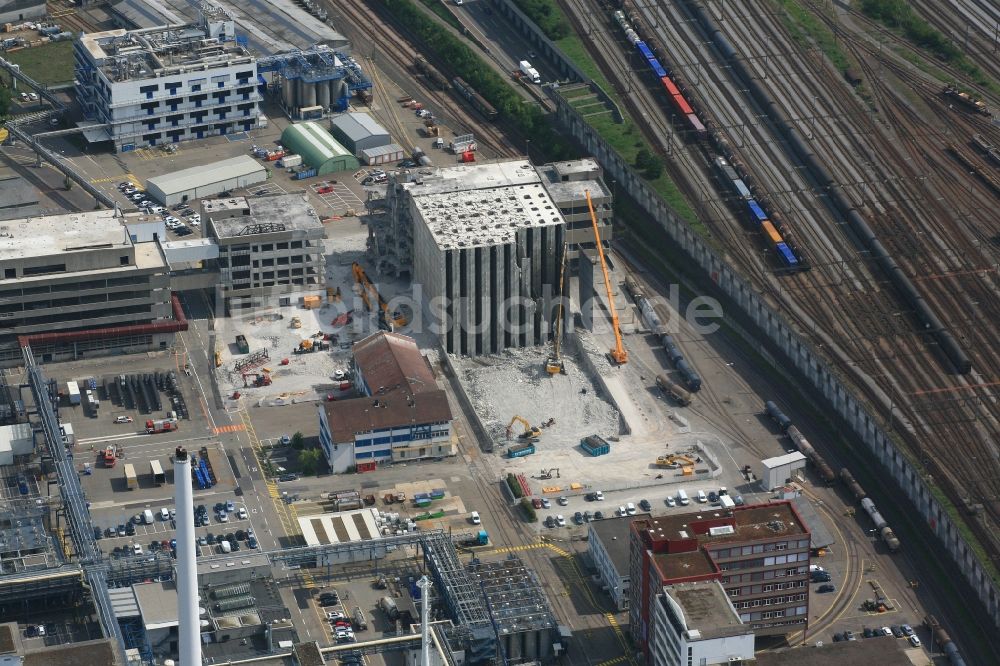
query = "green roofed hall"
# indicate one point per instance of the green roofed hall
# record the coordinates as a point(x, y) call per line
point(318, 148)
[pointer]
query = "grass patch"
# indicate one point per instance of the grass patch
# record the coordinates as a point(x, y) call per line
point(627, 140)
point(899, 17)
point(574, 49)
point(808, 31)
point(547, 15)
point(48, 64)
point(439, 10)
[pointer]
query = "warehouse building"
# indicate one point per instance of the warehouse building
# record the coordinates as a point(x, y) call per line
point(402, 416)
point(164, 85)
point(76, 285)
point(318, 148)
point(15, 11)
point(696, 623)
point(487, 248)
point(16, 440)
point(206, 180)
point(359, 131)
point(270, 249)
point(759, 554)
point(388, 154)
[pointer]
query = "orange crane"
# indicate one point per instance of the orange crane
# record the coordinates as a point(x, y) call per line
point(617, 355)
point(390, 319)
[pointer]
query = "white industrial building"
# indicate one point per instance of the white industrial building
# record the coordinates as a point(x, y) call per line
point(402, 416)
point(487, 247)
point(15, 11)
point(359, 131)
point(695, 623)
point(206, 180)
point(15, 440)
point(778, 471)
point(608, 544)
point(167, 84)
point(388, 154)
point(344, 527)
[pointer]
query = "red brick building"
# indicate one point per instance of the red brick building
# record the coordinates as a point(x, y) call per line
point(759, 553)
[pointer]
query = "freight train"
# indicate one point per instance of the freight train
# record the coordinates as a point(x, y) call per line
point(431, 74)
point(944, 641)
point(825, 472)
point(691, 378)
point(478, 102)
point(673, 92)
point(787, 255)
point(801, 148)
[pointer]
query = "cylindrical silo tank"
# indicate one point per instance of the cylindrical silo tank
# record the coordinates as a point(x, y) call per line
point(340, 92)
point(323, 94)
point(288, 93)
point(308, 94)
point(299, 93)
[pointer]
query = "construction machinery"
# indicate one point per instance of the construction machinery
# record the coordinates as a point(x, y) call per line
point(617, 355)
point(530, 432)
point(296, 322)
point(154, 426)
point(547, 473)
point(554, 364)
point(673, 462)
point(389, 319)
point(256, 379)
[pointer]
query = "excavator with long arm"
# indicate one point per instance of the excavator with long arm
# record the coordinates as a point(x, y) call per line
point(618, 355)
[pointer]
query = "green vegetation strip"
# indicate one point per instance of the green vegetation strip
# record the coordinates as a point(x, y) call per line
point(48, 64)
point(808, 30)
point(437, 6)
point(546, 15)
point(902, 19)
point(526, 117)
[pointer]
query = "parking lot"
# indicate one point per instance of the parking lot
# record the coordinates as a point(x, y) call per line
point(338, 197)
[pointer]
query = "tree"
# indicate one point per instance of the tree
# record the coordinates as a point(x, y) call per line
point(298, 441)
point(309, 462)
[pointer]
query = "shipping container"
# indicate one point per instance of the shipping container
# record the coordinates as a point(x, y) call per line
point(595, 445)
point(131, 480)
point(290, 161)
point(73, 389)
point(159, 478)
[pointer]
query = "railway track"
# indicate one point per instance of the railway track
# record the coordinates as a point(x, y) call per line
point(394, 52)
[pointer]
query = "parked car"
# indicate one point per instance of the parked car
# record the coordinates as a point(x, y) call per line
point(546, 504)
point(230, 506)
point(670, 501)
point(713, 496)
point(907, 630)
point(645, 505)
point(537, 503)
point(598, 496)
point(560, 521)
point(252, 541)
point(914, 640)
point(869, 633)
point(241, 513)
point(826, 588)
point(886, 631)
point(136, 549)
point(599, 515)
point(123, 419)
point(563, 500)
point(475, 518)
point(550, 521)
point(288, 477)
point(578, 518)
point(897, 631)
point(588, 516)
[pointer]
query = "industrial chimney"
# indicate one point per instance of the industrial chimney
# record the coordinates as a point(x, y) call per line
point(187, 568)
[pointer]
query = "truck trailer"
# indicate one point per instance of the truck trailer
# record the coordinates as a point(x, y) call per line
point(73, 390)
point(131, 480)
point(529, 72)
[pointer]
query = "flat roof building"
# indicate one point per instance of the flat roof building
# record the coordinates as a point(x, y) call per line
point(76, 285)
point(697, 622)
point(359, 131)
point(608, 544)
point(270, 249)
point(344, 527)
point(167, 84)
point(487, 247)
point(780, 470)
point(318, 148)
point(568, 183)
point(758, 553)
point(18, 197)
point(206, 180)
point(403, 415)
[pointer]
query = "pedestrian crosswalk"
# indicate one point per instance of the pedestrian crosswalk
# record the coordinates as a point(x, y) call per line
point(233, 427)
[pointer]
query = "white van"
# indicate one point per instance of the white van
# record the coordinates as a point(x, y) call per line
point(682, 498)
point(147, 517)
point(702, 497)
point(225, 547)
point(630, 509)
point(164, 514)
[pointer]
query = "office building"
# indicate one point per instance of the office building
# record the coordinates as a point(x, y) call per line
point(759, 554)
point(608, 544)
point(402, 416)
point(270, 249)
point(77, 285)
point(167, 84)
point(695, 623)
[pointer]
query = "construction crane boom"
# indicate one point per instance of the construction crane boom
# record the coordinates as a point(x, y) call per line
point(618, 354)
point(389, 318)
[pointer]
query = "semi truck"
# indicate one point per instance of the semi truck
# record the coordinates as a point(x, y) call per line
point(529, 72)
point(73, 390)
point(154, 426)
point(131, 480)
point(159, 478)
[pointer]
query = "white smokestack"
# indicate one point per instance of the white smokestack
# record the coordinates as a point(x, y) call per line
point(187, 568)
point(425, 627)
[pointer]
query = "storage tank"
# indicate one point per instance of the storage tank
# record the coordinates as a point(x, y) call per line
point(323, 94)
point(308, 94)
point(772, 410)
point(288, 93)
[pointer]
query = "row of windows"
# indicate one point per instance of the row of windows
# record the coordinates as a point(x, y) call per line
point(73, 286)
point(762, 575)
point(771, 601)
point(769, 561)
point(758, 589)
point(767, 615)
point(756, 549)
point(195, 84)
